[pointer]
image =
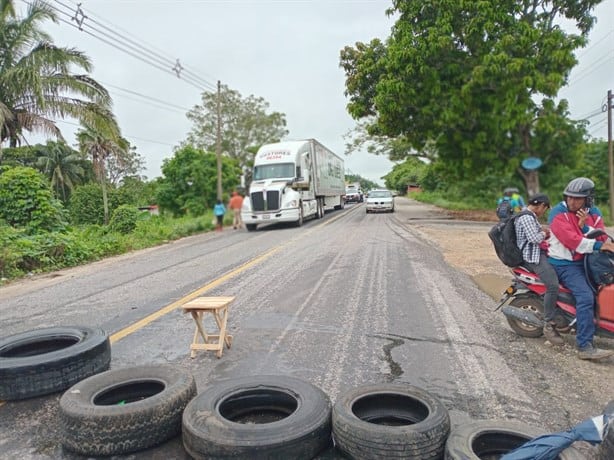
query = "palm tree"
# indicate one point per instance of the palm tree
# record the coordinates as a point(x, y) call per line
point(100, 142)
point(37, 83)
point(63, 166)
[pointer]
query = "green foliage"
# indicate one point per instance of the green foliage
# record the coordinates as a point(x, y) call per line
point(410, 172)
point(473, 84)
point(27, 201)
point(37, 83)
point(189, 185)
point(124, 218)
point(86, 204)
point(135, 191)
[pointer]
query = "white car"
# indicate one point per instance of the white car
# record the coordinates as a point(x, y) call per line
point(380, 200)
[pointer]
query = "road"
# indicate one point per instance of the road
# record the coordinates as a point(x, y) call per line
point(349, 300)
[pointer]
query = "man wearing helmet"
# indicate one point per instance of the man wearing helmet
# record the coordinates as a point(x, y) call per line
point(569, 221)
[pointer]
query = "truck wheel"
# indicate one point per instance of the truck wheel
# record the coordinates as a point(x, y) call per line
point(124, 410)
point(390, 421)
point(491, 439)
point(251, 227)
point(534, 305)
point(258, 417)
point(299, 222)
point(43, 361)
point(320, 214)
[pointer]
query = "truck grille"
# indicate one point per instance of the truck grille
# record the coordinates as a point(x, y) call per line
point(272, 201)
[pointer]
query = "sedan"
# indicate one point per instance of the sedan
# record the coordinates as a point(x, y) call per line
point(380, 200)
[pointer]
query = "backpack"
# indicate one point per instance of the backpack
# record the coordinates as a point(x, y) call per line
point(601, 267)
point(505, 209)
point(503, 237)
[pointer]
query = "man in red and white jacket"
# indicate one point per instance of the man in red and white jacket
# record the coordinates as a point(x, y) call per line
point(570, 221)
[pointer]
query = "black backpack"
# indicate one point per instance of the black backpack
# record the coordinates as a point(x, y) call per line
point(503, 237)
point(601, 267)
point(504, 209)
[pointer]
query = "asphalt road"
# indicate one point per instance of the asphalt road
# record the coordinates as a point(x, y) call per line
point(350, 300)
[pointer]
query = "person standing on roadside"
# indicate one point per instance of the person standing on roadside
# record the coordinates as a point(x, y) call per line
point(531, 239)
point(219, 210)
point(235, 204)
point(570, 221)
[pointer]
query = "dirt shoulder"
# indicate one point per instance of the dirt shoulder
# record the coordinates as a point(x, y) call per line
point(462, 238)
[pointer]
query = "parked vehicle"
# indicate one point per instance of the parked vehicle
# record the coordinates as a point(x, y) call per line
point(380, 201)
point(522, 304)
point(293, 181)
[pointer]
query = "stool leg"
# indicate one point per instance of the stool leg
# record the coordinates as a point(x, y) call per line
point(198, 316)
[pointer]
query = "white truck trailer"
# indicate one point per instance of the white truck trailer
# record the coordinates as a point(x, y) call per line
point(293, 181)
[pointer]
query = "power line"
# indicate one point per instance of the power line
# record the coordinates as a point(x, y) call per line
point(76, 17)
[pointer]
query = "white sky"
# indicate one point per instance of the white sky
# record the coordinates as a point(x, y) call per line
point(285, 51)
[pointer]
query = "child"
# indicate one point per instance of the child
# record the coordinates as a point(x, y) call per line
point(218, 211)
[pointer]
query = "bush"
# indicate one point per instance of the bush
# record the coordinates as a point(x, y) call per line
point(123, 219)
point(26, 201)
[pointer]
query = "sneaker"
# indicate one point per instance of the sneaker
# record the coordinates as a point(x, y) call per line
point(552, 335)
point(592, 353)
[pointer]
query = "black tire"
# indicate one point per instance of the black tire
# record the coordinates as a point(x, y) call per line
point(320, 209)
point(44, 361)
point(251, 227)
point(390, 421)
point(258, 417)
point(489, 440)
point(125, 410)
point(532, 304)
point(299, 222)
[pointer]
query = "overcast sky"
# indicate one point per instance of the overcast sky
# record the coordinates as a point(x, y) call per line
point(285, 51)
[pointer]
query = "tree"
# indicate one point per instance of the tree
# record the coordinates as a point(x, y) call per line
point(63, 167)
point(477, 79)
point(125, 163)
point(102, 141)
point(245, 125)
point(412, 171)
point(37, 82)
point(189, 185)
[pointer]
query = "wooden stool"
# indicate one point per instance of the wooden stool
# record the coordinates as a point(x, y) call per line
point(218, 307)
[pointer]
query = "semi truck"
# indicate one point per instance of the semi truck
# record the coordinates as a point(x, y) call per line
point(293, 181)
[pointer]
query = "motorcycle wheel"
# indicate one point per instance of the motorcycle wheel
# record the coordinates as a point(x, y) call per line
point(532, 304)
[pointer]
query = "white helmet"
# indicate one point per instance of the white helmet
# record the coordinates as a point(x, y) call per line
point(580, 187)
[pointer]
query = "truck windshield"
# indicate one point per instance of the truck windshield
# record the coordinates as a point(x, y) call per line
point(274, 171)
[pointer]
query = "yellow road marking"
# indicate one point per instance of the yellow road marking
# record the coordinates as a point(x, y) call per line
point(207, 287)
point(163, 311)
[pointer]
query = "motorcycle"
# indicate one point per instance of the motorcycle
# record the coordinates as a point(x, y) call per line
point(522, 303)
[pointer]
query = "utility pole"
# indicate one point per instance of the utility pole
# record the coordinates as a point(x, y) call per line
point(218, 144)
point(610, 153)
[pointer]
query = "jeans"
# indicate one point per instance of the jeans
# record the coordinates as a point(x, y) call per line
point(573, 277)
point(549, 277)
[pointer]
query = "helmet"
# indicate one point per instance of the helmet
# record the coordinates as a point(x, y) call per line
point(580, 187)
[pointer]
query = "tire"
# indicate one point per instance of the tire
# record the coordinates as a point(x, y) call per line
point(44, 361)
point(488, 439)
point(320, 209)
point(299, 222)
point(125, 410)
point(390, 421)
point(251, 227)
point(258, 417)
point(533, 304)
